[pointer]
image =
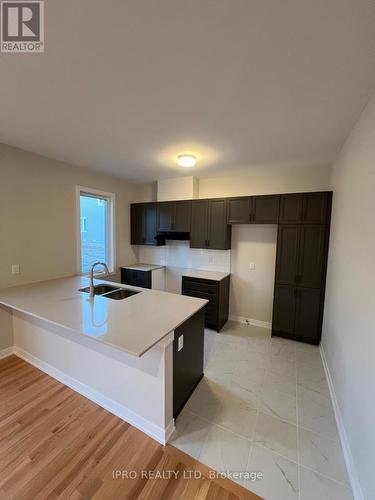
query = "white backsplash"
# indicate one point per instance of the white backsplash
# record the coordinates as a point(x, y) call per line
point(179, 254)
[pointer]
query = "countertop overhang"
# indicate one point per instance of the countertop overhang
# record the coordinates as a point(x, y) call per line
point(133, 325)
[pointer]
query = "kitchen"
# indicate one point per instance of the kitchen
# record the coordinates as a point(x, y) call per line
point(186, 250)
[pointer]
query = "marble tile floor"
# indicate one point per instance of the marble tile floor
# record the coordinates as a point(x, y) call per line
point(264, 406)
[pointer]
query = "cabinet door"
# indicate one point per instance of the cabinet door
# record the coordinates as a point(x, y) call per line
point(144, 279)
point(149, 224)
point(311, 252)
point(136, 224)
point(165, 211)
point(199, 221)
point(308, 318)
point(284, 309)
point(218, 230)
point(265, 209)
point(239, 210)
point(287, 254)
point(129, 277)
point(182, 216)
point(315, 208)
point(291, 208)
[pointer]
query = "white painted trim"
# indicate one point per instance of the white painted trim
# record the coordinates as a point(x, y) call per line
point(350, 464)
point(4, 353)
point(159, 434)
point(170, 429)
point(111, 226)
point(251, 321)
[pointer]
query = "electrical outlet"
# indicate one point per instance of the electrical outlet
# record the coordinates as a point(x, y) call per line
point(252, 266)
point(15, 269)
point(180, 342)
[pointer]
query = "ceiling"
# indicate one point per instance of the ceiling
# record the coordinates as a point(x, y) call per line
point(124, 86)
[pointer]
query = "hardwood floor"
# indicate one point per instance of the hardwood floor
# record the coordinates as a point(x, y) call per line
point(54, 443)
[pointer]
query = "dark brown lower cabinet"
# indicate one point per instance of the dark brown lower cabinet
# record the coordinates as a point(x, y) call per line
point(284, 310)
point(135, 277)
point(308, 314)
point(297, 313)
point(217, 294)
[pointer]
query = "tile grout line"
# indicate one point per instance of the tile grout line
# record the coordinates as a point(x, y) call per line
point(347, 485)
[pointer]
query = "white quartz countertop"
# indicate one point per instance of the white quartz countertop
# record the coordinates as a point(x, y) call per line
point(133, 325)
point(206, 275)
point(143, 267)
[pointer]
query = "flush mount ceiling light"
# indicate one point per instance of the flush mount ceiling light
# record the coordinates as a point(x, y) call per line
point(186, 160)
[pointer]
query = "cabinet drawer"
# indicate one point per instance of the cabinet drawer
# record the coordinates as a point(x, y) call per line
point(205, 286)
point(200, 295)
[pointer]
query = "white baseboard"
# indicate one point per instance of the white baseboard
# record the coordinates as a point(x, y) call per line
point(4, 353)
point(158, 433)
point(251, 321)
point(350, 464)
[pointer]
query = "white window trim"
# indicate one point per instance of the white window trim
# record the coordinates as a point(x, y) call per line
point(111, 224)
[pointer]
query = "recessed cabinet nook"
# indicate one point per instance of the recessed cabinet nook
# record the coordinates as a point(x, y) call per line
point(302, 245)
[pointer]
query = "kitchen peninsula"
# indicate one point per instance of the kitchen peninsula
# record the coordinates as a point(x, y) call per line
point(140, 357)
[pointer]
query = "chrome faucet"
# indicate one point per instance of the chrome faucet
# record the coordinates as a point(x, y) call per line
point(92, 289)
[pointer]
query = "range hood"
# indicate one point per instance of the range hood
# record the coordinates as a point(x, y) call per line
point(162, 236)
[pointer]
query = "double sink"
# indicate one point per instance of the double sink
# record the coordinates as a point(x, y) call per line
point(110, 292)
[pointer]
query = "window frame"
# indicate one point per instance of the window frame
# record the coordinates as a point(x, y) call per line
point(111, 221)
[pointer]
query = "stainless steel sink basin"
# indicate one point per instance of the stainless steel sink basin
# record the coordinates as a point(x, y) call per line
point(100, 289)
point(121, 293)
point(112, 292)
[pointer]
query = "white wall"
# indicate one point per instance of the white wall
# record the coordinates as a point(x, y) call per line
point(177, 188)
point(178, 256)
point(6, 328)
point(38, 215)
point(266, 179)
point(349, 319)
point(251, 293)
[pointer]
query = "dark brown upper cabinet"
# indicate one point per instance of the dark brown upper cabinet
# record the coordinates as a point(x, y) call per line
point(291, 208)
point(209, 227)
point(165, 216)
point(265, 209)
point(306, 208)
point(136, 224)
point(315, 207)
point(143, 224)
point(199, 223)
point(239, 210)
point(174, 216)
point(254, 210)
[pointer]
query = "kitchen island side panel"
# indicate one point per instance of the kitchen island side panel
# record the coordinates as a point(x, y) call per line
point(188, 359)
point(135, 389)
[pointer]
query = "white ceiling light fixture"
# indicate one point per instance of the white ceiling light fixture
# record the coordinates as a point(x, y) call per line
point(186, 160)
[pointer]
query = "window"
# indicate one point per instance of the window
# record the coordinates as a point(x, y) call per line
point(83, 224)
point(96, 236)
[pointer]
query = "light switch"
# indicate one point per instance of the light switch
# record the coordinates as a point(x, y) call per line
point(180, 342)
point(252, 266)
point(15, 269)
